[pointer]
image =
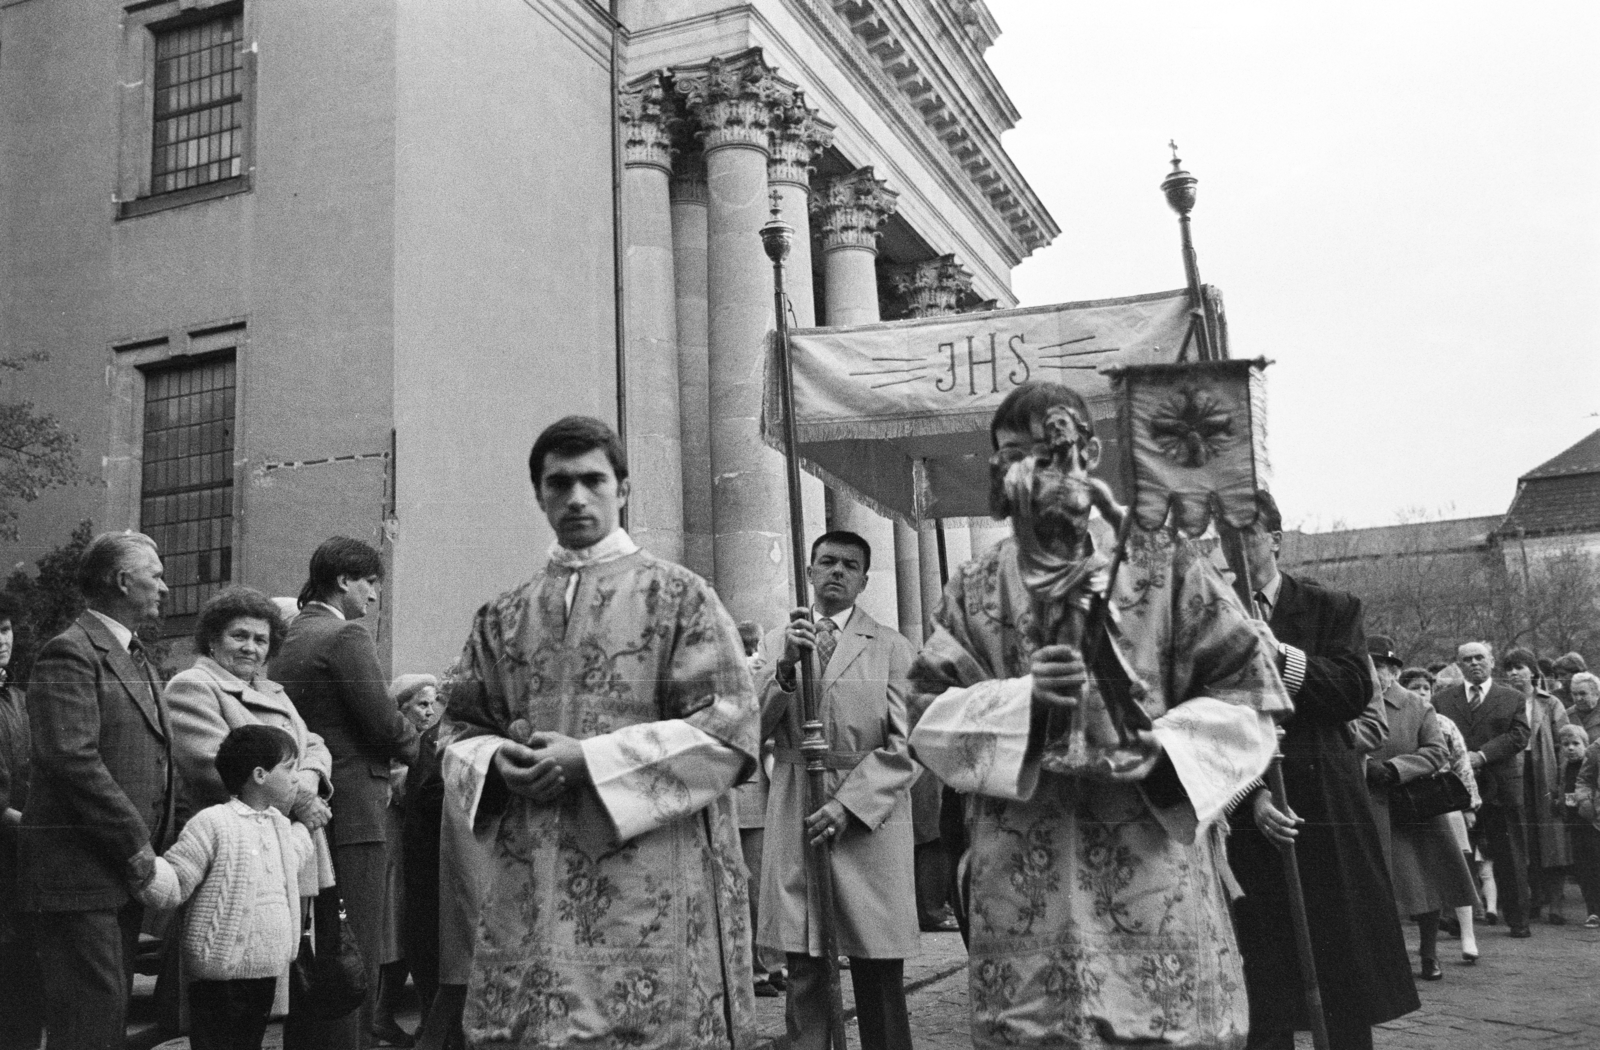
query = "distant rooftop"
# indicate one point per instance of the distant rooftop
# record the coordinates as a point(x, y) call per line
point(1455, 536)
point(1582, 458)
point(1559, 496)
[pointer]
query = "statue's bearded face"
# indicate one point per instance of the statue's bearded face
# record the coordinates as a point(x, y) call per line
point(1063, 448)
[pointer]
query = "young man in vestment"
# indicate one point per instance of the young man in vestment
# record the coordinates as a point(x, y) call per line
point(1098, 907)
point(602, 711)
point(861, 667)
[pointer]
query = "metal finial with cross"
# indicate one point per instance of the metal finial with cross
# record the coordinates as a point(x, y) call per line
point(772, 198)
point(1173, 146)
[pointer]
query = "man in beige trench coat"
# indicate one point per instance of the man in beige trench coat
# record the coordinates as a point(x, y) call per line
point(867, 816)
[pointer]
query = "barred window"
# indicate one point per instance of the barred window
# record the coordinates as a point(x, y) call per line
point(198, 134)
point(186, 499)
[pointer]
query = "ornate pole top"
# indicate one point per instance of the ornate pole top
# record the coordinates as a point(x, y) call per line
point(1179, 185)
point(777, 236)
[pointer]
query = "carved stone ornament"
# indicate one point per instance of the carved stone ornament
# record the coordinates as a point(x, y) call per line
point(796, 136)
point(851, 209)
point(648, 118)
point(737, 100)
point(931, 288)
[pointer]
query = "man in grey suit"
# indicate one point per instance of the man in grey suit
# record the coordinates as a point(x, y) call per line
point(328, 665)
point(1494, 723)
point(100, 801)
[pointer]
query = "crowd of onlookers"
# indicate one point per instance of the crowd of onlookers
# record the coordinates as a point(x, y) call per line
point(228, 815)
point(1527, 748)
point(281, 793)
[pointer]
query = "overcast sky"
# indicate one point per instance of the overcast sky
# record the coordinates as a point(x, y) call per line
point(1398, 201)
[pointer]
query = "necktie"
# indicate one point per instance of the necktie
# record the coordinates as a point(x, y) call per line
point(1263, 605)
point(827, 642)
point(1474, 696)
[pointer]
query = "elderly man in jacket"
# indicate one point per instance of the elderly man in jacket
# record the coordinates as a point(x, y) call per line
point(100, 800)
point(1493, 719)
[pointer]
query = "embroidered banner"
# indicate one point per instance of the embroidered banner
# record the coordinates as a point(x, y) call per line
point(898, 412)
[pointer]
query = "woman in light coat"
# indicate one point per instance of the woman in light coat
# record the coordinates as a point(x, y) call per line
point(1426, 867)
point(1419, 681)
point(237, 631)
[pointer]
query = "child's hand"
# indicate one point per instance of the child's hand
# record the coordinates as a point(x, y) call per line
point(161, 893)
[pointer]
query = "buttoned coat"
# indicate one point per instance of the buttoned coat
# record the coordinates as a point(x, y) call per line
point(863, 711)
point(207, 702)
point(1359, 948)
point(1425, 863)
point(1498, 727)
point(329, 668)
point(102, 779)
point(1549, 844)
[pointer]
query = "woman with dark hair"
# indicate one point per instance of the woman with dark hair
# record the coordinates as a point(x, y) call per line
point(1549, 847)
point(227, 688)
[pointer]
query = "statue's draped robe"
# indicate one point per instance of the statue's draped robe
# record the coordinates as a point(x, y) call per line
point(618, 916)
point(1100, 912)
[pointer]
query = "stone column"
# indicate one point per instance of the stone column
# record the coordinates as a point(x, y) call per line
point(655, 516)
point(688, 195)
point(796, 136)
point(931, 288)
point(849, 211)
point(736, 101)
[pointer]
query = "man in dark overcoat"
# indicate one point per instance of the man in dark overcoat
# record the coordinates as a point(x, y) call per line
point(1493, 720)
point(100, 797)
point(328, 665)
point(1360, 951)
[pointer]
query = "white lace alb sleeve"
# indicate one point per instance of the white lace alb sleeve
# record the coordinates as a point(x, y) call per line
point(975, 738)
point(651, 774)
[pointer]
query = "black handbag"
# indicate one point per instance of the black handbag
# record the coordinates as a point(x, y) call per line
point(1419, 801)
point(329, 981)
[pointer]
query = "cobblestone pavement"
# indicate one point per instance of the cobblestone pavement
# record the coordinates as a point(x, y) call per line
point(1543, 992)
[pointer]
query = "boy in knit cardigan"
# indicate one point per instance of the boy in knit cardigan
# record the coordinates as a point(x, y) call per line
point(240, 861)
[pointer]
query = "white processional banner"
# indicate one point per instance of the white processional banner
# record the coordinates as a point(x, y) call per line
point(898, 412)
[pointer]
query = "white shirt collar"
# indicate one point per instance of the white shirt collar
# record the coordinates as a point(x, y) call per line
point(841, 618)
point(617, 545)
point(118, 629)
point(244, 809)
point(331, 608)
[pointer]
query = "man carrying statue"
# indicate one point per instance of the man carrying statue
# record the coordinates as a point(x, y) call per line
point(1097, 882)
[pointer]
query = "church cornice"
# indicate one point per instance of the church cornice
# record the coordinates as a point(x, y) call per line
point(926, 57)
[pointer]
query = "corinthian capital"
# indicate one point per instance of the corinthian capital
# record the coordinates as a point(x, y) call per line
point(648, 116)
point(736, 100)
point(931, 288)
point(796, 135)
point(850, 210)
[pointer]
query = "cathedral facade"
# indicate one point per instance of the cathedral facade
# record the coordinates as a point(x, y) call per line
point(300, 269)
